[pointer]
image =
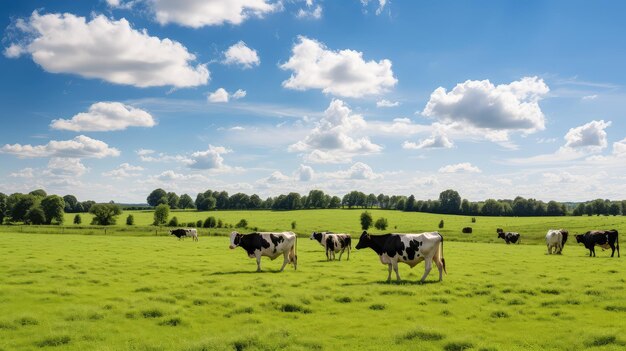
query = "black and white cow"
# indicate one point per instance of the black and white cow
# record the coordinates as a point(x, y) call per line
point(333, 243)
point(555, 240)
point(509, 237)
point(604, 238)
point(407, 248)
point(271, 245)
point(182, 233)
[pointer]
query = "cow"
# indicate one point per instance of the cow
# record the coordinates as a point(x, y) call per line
point(333, 243)
point(268, 244)
point(509, 237)
point(407, 248)
point(555, 240)
point(182, 233)
point(604, 238)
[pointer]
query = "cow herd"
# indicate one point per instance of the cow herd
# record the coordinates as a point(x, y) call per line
point(391, 249)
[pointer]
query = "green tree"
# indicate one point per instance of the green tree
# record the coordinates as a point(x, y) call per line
point(3, 207)
point(614, 209)
point(366, 220)
point(210, 222)
point(70, 203)
point(18, 204)
point(381, 223)
point(130, 220)
point(410, 204)
point(35, 215)
point(78, 219)
point(491, 207)
point(105, 214)
point(554, 209)
point(38, 193)
point(53, 207)
point(199, 223)
point(161, 213)
point(172, 200)
point(86, 205)
point(220, 223)
point(173, 222)
point(579, 210)
point(371, 201)
point(185, 202)
point(465, 207)
point(242, 224)
point(156, 197)
point(449, 201)
point(255, 202)
point(335, 202)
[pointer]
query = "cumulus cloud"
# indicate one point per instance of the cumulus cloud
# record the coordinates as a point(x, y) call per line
point(482, 105)
point(310, 12)
point(240, 54)
point(619, 147)
point(436, 141)
point(359, 170)
point(200, 13)
point(304, 173)
point(590, 135)
point(105, 116)
point(387, 103)
point(342, 73)
point(210, 158)
point(465, 167)
point(23, 173)
point(125, 170)
point(221, 95)
point(277, 177)
point(106, 49)
point(65, 167)
point(80, 146)
point(170, 175)
point(381, 5)
point(332, 139)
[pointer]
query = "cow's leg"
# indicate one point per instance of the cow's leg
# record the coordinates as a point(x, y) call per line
point(348, 259)
point(257, 255)
point(285, 260)
point(341, 253)
point(612, 250)
point(428, 266)
point(440, 268)
point(549, 249)
point(389, 276)
point(327, 255)
point(395, 268)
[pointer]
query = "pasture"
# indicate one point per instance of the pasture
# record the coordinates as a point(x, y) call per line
point(94, 292)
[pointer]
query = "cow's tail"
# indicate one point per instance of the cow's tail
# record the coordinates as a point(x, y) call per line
point(294, 259)
point(443, 260)
point(617, 241)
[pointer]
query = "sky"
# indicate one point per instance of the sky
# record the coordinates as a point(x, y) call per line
point(110, 99)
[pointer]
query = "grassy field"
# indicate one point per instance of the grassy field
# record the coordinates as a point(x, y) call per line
point(81, 292)
point(533, 229)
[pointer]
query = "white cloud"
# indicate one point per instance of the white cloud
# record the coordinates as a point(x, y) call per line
point(210, 158)
point(65, 167)
point(107, 49)
point(381, 5)
point(170, 175)
point(310, 12)
point(304, 173)
point(80, 146)
point(359, 170)
point(387, 103)
point(619, 148)
point(277, 177)
point(436, 141)
point(341, 73)
point(483, 106)
point(125, 170)
point(237, 128)
point(564, 177)
point(200, 13)
point(459, 167)
point(105, 116)
point(221, 95)
point(590, 97)
point(333, 140)
point(590, 135)
point(240, 54)
point(23, 173)
point(14, 51)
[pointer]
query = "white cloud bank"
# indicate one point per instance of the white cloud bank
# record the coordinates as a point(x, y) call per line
point(106, 49)
point(465, 167)
point(342, 73)
point(221, 95)
point(125, 170)
point(79, 147)
point(240, 54)
point(105, 116)
point(436, 141)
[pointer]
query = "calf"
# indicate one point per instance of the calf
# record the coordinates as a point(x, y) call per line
point(604, 238)
point(555, 240)
point(333, 243)
point(271, 245)
point(182, 233)
point(509, 237)
point(407, 248)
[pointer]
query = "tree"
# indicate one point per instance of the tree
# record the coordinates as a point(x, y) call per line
point(410, 204)
point(78, 219)
point(491, 207)
point(130, 220)
point(221, 200)
point(18, 204)
point(161, 213)
point(35, 215)
point(381, 223)
point(199, 223)
point(156, 197)
point(335, 202)
point(366, 220)
point(210, 222)
point(465, 207)
point(173, 222)
point(554, 209)
point(53, 207)
point(38, 193)
point(70, 203)
point(371, 201)
point(87, 205)
point(614, 209)
point(172, 200)
point(3, 207)
point(579, 210)
point(242, 224)
point(315, 199)
point(105, 214)
point(255, 202)
point(441, 224)
point(185, 202)
point(449, 201)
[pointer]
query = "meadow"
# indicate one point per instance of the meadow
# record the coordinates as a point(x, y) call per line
point(96, 292)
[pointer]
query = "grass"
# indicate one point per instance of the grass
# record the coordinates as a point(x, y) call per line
point(81, 292)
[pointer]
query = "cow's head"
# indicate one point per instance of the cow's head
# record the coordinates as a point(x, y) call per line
point(171, 232)
point(499, 230)
point(235, 239)
point(501, 234)
point(364, 241)
point(317, 236)
point(579, 238)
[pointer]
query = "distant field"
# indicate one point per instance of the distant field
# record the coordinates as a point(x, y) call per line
point(80, 292)
point(533, 229)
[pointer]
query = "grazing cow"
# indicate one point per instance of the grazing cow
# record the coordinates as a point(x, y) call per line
point(556, 239)
point(509, 237)
point(604, 238)
point(182, 233)
point(408, 248)
point(271, 245)
point(333, 243)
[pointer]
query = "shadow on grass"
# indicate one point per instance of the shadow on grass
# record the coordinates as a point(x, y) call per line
point(246, 272)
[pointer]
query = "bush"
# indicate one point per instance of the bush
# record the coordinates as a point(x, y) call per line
point(220, 223)
point(381, 223)
point(441, 224)
point(78, 219)
point(242, 224)
point(173, 222)
point(130, 220)
point(161, 213)
point(293, 225)
point(191, 224)
point(210, 222)
point(366, 220)
point(105, 214)
point(473, 219)
point(199, 223)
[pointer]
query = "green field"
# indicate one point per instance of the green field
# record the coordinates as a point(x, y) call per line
point(94, 292)
point(533, 229)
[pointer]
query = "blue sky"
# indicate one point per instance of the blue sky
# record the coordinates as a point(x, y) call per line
point(111, 99)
